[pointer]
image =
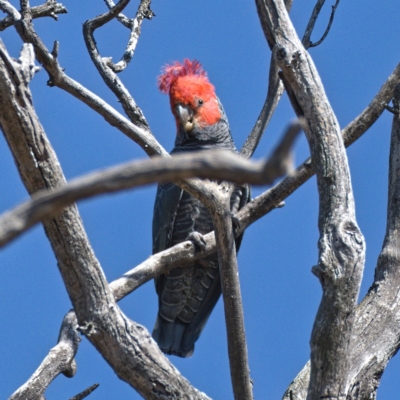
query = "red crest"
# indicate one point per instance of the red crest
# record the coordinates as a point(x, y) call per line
point(172, 72)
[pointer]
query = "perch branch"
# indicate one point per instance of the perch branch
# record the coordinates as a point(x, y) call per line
point(126, 346)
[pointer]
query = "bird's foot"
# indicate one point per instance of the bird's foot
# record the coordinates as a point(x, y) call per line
point(198, 240)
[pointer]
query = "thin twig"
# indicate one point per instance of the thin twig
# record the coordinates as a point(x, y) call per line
point(140, 135)
point(102, 64)
point(274, 94)
point(85, 393)
point(311, 24)
point(127, 22)
point(275, 91)
point(143, 12)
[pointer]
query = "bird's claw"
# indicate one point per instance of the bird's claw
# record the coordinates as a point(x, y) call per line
point(198, 240)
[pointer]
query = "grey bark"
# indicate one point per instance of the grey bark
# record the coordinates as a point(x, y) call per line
point(369, 376)
point(59, 360)
point(218, 165)
point(125, 345)
point(233, 306)
point(341, 244)
point(375, 337)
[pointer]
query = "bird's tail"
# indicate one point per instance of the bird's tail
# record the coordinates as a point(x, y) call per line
point(170, 337)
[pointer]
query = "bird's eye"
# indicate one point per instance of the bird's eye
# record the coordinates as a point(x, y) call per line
point(200, 102)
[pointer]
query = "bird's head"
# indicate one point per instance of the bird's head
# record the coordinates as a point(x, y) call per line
point(192, 96)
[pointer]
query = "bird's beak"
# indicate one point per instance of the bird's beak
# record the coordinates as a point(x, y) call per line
point(185, 115)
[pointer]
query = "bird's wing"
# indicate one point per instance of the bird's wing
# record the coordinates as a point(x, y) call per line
point(165, 210)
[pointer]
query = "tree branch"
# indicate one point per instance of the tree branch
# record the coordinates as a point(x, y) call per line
point(58, 78)
point(215, 164)
point(274, 94)
point(143, 12)
point(105, 66)
point(376, 328)
point(125, 345)
point(341, 244)
point(85, 393)
point(268, 200)
point(230, 284)
point(49, 9)
point(59, 360)
point(311, 24)
point(127, 22)
point(275, 85)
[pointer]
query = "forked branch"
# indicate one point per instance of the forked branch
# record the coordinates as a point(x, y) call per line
point(105, 66)
point(126, 346)
point(376, 329)
point(311, 24)
point(341, 244)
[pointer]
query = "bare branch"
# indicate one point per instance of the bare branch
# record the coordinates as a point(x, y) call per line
point(49, 9)
point(281, 161)
point(59, 360)
point(126, 346)
point(269, 200)
point(275, 86)
point(143, 12)
point(341, 244)
point(58, 78)
point(376, 329)
point(234, 318)
point(275, 91)
point(182, 255)
point(85, 393)
point(311, 24)
point(103, 65)
point(217, 165)
point(7, 8)
point(127, 22)
point(371, 113)
point(274, 94)
point(25, 6)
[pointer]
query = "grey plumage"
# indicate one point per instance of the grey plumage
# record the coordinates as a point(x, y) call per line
point(188, 295)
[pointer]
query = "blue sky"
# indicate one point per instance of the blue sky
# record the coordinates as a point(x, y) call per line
point(280, 293)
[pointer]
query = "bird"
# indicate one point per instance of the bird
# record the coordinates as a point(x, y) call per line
point(187, 295)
